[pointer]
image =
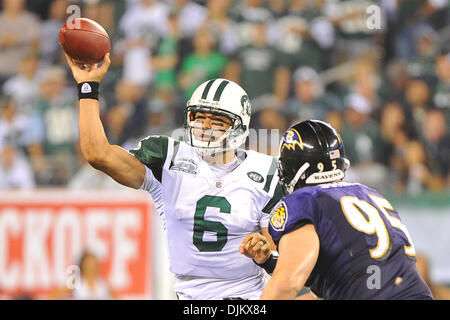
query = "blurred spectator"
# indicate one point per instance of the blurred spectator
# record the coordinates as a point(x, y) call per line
point(19, 34)
point(15, 171)
point(146, 21)
point(20, 130)
point(421, 64)
point(399, 171)
point(396, 132)
point(246, 13)
point(419, 177)
point(353, 36)
point(143, 26)
point(310, 101)
point(202, 64)
point(190, 16)
point(39, 7)
point(58, 116)
point(167, 57)
point(250, 11)
point(92, 285)
point(438, 13)
point(362, 143)
point(394, 125)
point(224, 29)
point(278, 7)
point(101, 11)
point(365, 81)
point(159, 119)
point(360, 132)
point(267, 126)
point(50, 49)
point(436, 140)
point(441, 97)
point(418, 100)
point(304, 35)
point(439, 291)
point(409, 19)
point(126, 119)
point(335, 119)
point(24, 86)
point(257, 68)
point(394, 85)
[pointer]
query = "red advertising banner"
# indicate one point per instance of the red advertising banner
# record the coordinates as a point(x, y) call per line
point(43, 234)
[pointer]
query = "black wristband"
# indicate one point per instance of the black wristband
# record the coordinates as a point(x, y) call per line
point(88, 90)
point(269, 264)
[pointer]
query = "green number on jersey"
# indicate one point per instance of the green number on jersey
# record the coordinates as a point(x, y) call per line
point(201, 225)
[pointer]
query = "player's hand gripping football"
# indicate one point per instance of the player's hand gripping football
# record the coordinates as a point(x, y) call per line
point(256, 247)
point(88, 73)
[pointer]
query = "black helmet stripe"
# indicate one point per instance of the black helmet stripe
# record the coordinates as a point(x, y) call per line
point(320, 137)
point(220, 89)
point(208, 86)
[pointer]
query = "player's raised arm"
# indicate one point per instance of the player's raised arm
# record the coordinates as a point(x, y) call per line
point(111, 159)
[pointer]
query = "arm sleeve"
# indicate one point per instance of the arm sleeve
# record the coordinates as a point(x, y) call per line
point(148, 180)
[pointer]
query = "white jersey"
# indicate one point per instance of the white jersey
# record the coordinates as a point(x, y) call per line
point(206, 217)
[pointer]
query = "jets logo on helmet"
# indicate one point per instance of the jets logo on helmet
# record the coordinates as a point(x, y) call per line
point(246, 106)
point(225, 98)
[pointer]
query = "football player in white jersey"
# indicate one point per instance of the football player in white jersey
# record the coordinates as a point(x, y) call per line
point(209, 192)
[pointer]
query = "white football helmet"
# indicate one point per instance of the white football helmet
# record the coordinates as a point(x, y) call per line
point(225, 98)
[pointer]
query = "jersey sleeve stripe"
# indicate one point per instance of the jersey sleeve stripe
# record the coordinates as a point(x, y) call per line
point(272, 169)
point(277, 195)
point(159, 168)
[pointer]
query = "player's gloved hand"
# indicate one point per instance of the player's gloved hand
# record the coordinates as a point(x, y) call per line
point(92, 73)
point(256, 247)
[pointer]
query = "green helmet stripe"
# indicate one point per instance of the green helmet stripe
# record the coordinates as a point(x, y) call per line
point(220, 90)
point(208, 86)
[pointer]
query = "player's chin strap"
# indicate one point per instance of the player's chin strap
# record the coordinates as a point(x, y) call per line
point(291, 185)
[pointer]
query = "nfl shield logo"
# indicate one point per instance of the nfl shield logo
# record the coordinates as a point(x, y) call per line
point(86, 88)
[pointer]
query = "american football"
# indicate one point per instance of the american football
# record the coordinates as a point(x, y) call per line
point(195, 150)
point(84, 40)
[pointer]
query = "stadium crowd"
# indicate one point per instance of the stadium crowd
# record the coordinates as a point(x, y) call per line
point(385, 87)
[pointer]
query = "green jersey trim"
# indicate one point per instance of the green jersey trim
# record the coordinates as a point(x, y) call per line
point(279, 193)
point(272, 169)
point(152, 151)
